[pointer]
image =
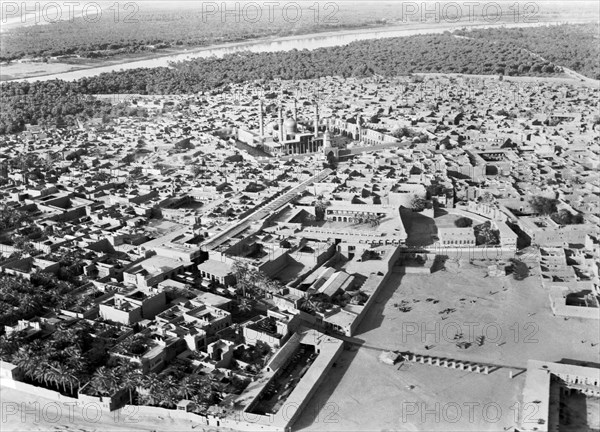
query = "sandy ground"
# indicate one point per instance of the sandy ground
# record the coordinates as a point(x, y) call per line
point(514, 316)
point(25, 412)
point(363, 394)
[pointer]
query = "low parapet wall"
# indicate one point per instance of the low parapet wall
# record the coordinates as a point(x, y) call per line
point(449, 363)
point(560, 307)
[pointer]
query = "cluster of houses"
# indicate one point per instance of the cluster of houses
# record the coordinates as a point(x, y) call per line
point(161, 213)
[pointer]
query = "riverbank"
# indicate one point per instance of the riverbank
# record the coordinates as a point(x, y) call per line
point(92, 67)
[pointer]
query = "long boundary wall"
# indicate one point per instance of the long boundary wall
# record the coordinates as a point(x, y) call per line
point(36, 391)
point(393, 257)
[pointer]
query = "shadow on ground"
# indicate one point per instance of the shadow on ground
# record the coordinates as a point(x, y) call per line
point(421, 229)
point(320, 409)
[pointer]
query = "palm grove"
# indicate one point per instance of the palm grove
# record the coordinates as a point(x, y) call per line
point(60, 102)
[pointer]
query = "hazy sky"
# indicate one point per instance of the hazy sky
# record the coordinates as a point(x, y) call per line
point(12, 14)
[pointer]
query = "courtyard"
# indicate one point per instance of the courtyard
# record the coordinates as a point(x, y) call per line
point(442, 310)
point(514, 317)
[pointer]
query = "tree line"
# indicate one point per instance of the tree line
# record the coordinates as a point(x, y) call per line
point(24, 299)
point(123, 29)
point(573, 46)
point(386, 57)
point(52, 102)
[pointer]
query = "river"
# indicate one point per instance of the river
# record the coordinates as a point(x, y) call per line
point(49, 71)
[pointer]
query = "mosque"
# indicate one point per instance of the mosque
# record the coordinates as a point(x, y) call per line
point(288, 136)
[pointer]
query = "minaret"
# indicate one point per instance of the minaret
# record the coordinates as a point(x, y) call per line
point(24, 165)
point(295, 110)
point(280, 125)
point(316, 120)
point(326, 138)
point(261, 120)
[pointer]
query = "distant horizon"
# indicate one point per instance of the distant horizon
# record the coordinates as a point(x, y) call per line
point(16, 21)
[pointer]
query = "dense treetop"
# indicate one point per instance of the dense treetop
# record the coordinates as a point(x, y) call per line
point(388, 57)
point(576, 47)
point(47, 102)
point(51, 103)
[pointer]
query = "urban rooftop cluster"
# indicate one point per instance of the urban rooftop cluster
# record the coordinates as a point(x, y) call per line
point(217, 254)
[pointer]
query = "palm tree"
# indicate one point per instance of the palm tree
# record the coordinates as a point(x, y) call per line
point(63, 375)
point(26, 361)
point(74, 358)
point(244, 305)
point(192, 385)
point(9, 345)
point(169, 391)
point(41, 374)
point(186, 387)
point(152, 382)
point(131, 378)
point(268, 285)
point(203, 394)
point(486, 235)
point(30, 303)
point(203, 386)
point(320, 208)
point(32, 360)
point(64, 337)
point(49, 375)
point(245, 276)
point(307, 304)
point(373, 220)
point(314, 302)
point(104, 381)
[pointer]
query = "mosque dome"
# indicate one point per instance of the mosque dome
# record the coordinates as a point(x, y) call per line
point(289, 126)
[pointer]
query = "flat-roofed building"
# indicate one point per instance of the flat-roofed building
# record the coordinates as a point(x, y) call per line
point(208, 318)
point(508, 238)
point(542, 230)
point(335, 282)
point(151, 271)
point(132, 307)
point(456, 237)
point(547, 383)
point(346, 212)
point(217, 271)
